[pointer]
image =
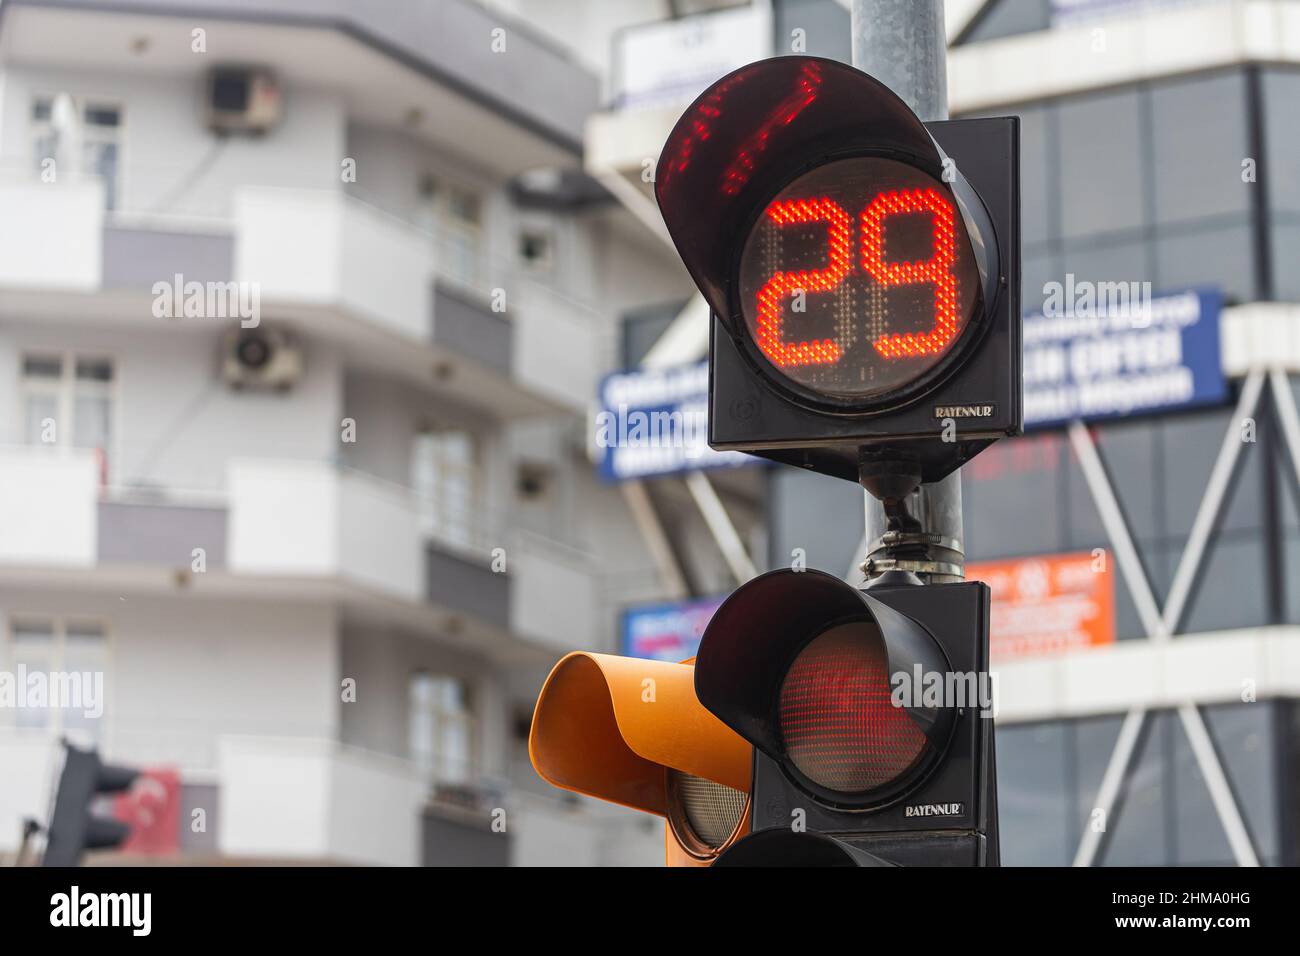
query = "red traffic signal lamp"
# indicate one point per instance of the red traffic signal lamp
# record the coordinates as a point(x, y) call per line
point(862, 267)
point(870, 715)
point(632, 732)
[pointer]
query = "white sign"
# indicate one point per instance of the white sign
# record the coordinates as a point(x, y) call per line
point(674, 61)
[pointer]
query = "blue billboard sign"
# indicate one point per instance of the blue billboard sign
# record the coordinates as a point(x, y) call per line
point(654, 422)
point(667, 632)
point(1064, 12)
point(1085, 359)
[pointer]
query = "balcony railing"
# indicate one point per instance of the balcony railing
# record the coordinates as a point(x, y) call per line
point(292, 798)
point(313, 249)
point(299, 518)
point(53, 234)
point(313, 518)
point(322, 247)
point(48, 508)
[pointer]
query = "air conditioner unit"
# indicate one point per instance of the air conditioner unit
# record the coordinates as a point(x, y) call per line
point(261, 359)
point(243, 99)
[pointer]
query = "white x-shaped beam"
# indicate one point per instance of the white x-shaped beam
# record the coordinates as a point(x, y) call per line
point(1162, 625)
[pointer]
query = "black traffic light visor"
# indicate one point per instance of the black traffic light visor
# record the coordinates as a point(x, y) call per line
point(755, 129)
point(750, 642)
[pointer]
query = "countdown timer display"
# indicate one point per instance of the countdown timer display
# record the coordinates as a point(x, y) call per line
point(857, 282)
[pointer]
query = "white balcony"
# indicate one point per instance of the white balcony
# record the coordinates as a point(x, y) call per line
point(553, 595)
point(323, 259)
point(48, 506)
point(310, 519)
point(53, 233)
point(318, 247)
point(558, 346)
point(289, 799)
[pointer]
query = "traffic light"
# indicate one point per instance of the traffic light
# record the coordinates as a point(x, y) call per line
point(76, 827)
point(870, 716)
point(862, 268)
point(631, 731)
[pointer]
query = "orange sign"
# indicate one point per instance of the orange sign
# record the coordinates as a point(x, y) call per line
point(1048, 604)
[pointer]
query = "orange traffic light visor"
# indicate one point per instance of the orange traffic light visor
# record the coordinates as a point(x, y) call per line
point(608, 727)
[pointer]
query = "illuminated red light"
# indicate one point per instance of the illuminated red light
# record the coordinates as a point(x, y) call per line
point(889, 281)
point(937, 270)
point(840, 728)
point(782, 285)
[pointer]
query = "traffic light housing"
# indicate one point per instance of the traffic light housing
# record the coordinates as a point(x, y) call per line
point(862, 268)
point(870, 714)
point(632, 732)
point(75, 826)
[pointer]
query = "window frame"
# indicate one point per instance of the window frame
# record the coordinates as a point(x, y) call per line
point(59, 626)
point(66, 391)
point(114, 194)
point(441, 718)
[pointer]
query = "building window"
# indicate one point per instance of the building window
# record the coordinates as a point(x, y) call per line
point(445, 475)
point(536, 250)
point(440, 729)
point(69, 660)
point(68, 400)
point(453, 215)
point(82, 135)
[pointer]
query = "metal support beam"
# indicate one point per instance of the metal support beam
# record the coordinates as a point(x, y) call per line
point(655, 538)
point(1161, 625)
point(720, 526)
point(1287, 416)
point(1130, 732)
point(1217, 783)
point(637, 203)
point(1112, 519)
point(1207, 515)
point(685, 340)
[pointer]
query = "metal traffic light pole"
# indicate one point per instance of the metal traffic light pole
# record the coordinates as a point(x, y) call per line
point(903, 44)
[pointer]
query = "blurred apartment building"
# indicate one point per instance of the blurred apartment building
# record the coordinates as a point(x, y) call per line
point(1158, 145)
point(325, 523)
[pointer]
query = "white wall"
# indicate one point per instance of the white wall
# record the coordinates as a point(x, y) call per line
point(388, 415)
point(29, 766)
point(284, 517)
point(381, 544)
point(547, 832)
point(53, 235)
point(553, 595)
point(317, 800)
point(311, 518)
point(324, 247)
point(176, 424)
point(381, 662)
point(166, 141)
point(183, 669)
point(391, 165)
point(48, 507)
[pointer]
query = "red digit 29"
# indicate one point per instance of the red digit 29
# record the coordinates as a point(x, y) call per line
point(936, 271)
